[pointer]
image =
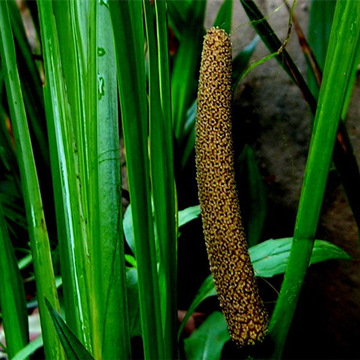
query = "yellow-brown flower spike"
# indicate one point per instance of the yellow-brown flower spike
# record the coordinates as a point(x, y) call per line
point(220, 211)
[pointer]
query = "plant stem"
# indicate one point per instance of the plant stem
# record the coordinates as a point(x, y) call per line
point(343, 50)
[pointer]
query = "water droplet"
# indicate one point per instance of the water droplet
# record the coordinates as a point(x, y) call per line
point(104, 2)
point(101, 51)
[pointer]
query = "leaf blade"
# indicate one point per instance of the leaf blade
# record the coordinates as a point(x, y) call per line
point(209, 339)
point(73, 348)
point(30, 185)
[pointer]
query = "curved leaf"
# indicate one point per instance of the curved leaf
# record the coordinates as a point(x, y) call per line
point(208, 341)
point(188, 214)
point(29, 349)
point(206, 290)
point(270, 257)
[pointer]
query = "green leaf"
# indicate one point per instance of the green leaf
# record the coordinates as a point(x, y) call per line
point(273, 43)
point(320, 21)
point(111, 336)
point(128, 26)
point(252, 195)
point(206, 290)
point(188, 134)
point(184, 216)
point(25, 261)
point(31, 87)
point(186, 65)
point(29, 349)
point(162, 168)
point(209, 339)
point(343, 53)
point(39, 239)
point(343, 155)
point(224, 17)
point(241, 61)
point(270, 257)
point(133, 301)
point(73, 348)
point(128, 229)
point(131, 260)
point(177, 12)
point(7, 150)
point(12, 296)
point(188, 214)
point(11, 201)
point(67, 159)
point(324, 250)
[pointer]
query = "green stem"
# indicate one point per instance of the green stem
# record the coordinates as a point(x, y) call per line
point(343, 49)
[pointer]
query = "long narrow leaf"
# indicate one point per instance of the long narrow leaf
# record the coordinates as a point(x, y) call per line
point(31, 86)
point(273, 43)
point(12, 294)
point(33, 203)
point(320, 20)
point(67, 177)
point(129, 39)
point(178, 12)
point(111, 335)
point(206, 290)
point(162, 170)
point(29, 349)
point(73, 348)
point(186, 64)
point(343, 51)
point(253, 199)
point(224, 17)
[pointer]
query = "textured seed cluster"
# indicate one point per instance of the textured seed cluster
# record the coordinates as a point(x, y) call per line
point(225, 241)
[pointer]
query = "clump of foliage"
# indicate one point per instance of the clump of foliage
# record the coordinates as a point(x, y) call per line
point(112, 275)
